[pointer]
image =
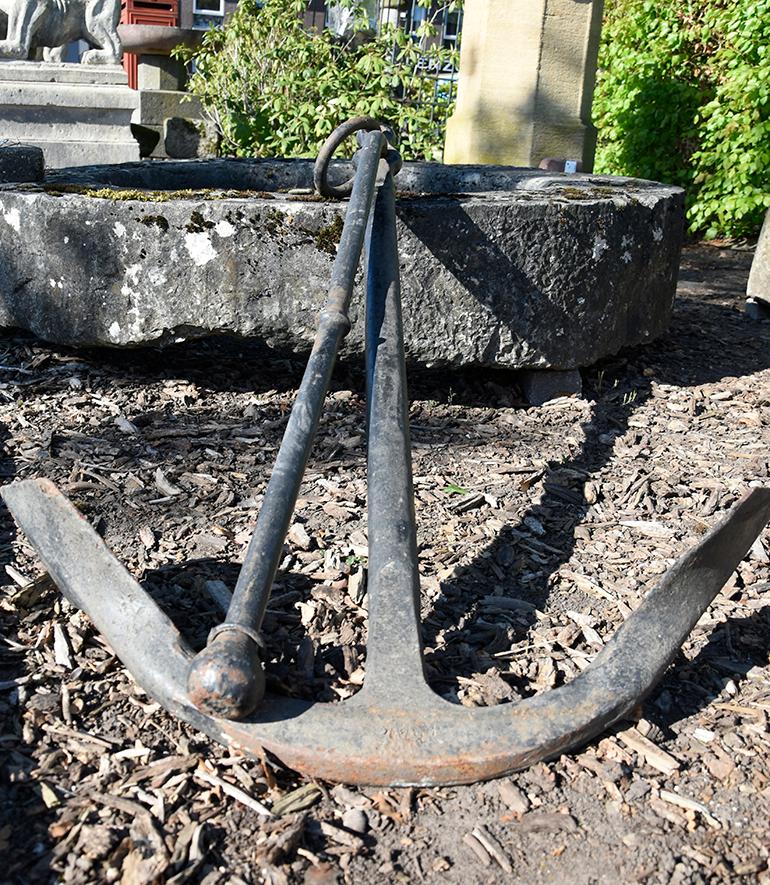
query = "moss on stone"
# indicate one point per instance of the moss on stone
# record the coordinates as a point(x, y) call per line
point(158, 220)
point(126, 194)
point(328, 237)
point(575, 193)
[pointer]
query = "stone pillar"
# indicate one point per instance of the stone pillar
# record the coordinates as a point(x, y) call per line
point(527, 71)
point(155, 71)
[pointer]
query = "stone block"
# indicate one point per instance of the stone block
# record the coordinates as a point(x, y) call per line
point(160, 72)
point(186, 139)
point(541, 386)
point(156, 105)
point(20, 162)
point(500, 267)
point(62, 72)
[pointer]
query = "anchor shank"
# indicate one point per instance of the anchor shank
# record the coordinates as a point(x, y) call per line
point(226, 678)
point(394, 654)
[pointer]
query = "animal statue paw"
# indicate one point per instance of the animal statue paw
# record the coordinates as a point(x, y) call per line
point(10, 50)
point(99, 57)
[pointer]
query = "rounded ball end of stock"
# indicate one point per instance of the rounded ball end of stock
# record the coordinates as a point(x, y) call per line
point(226, 677)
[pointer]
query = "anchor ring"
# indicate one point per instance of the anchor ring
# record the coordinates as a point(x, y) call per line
point(343, 131)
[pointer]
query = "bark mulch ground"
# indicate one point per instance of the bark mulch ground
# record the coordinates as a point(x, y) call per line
point(573, 509)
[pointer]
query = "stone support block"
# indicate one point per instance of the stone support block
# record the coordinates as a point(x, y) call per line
point(540, 387)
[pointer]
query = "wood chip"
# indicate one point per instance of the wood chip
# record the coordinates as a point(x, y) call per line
point(477, 848)
point(343, 836)
point(652, 754)
point(299, 799)
point(513, 797)
point(493, 847)
point(648, 528)
point(546, 822)
point(232, 791)
point(691, 805)
point(299, 537)
point(61, 647)
point(220, 594)
point(164, 486)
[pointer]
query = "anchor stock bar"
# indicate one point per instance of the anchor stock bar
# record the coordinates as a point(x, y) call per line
point(396, 730)
point(226, 678)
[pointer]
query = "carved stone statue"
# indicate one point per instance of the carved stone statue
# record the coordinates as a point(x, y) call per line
point(48, 25)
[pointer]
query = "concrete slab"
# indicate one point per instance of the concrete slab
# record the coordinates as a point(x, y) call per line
point(78, 114)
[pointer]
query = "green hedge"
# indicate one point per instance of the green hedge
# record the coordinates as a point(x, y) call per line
point(683, 96)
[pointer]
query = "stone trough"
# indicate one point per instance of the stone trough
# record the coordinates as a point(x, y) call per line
point(500, 266)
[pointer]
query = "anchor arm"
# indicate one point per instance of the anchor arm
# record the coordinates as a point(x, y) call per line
point(410, 737)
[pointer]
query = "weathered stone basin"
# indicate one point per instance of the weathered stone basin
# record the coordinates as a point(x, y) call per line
point(500, 266)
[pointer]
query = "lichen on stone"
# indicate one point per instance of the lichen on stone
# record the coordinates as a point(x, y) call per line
point(197, 223)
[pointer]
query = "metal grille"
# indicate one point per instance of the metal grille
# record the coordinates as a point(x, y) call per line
point(315, 15)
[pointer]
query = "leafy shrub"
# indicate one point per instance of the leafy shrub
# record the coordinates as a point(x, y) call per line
point(276, 89)
point(683, 95)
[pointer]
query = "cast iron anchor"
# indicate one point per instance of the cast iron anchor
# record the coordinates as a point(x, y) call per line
point(396, 730)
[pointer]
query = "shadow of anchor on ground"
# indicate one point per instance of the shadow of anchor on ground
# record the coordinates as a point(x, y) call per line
point(707, 342)
point(20, 796)
point(295, 669)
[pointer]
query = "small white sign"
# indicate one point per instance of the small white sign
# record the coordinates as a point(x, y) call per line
point(570, 165)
